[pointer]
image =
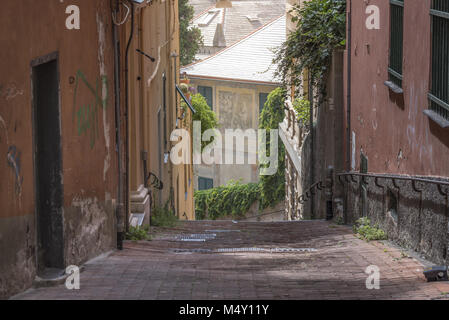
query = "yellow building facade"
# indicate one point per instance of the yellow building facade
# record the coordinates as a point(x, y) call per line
point(151, 65)
point(236, 82)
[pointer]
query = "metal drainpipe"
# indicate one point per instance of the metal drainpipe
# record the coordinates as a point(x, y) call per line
point(126, 116)
point(312, 157)
point(173, 55)
point(119, 209)
point(348, 105)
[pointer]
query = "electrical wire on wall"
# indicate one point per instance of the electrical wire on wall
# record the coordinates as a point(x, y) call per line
point(114, 17)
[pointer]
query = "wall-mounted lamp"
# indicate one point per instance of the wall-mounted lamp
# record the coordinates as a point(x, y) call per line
point(223, 4)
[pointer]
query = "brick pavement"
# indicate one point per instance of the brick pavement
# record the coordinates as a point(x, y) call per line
point(336, 270)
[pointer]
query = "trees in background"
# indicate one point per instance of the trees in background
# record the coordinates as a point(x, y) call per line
point(190, 37)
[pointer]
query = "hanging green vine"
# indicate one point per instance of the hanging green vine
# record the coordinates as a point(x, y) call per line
point(273, 187)
point(320, 29)
point(302, 109)
point(236, 199)
point(203, 113)
point(233, 199)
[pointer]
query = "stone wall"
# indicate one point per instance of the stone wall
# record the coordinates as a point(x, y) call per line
point(414, 220)
point(328, 146)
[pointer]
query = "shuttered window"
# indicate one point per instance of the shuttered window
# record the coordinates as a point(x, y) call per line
point(205, 183)
point(396, 41)
point(263, 97)
point(206, 92)
point(439, 92)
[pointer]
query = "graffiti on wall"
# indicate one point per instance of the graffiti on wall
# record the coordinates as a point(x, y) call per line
point(10, 91)
point(3, 125)
point(87, 114)
point(13, 157)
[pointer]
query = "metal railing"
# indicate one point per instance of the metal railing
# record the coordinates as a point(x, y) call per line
point(327, 186)
point(307, 195)
point(442, 186)
point(154, 181)
point(357, 177)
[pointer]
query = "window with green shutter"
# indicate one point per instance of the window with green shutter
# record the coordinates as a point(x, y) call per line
point(206, 92)
point(205, 183)
point(262, 99)
point(396, 41)
point(439, 88)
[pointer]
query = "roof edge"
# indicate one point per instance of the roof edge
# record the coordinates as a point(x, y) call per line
point(201, 77)
point(236, 43)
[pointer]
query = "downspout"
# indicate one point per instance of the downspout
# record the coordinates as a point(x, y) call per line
point(312, 156)
point(119, 209)
point(126, 116)
point(174, 56)
point(348, 104)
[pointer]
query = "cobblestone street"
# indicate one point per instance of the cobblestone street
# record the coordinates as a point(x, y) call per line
point(332, 267)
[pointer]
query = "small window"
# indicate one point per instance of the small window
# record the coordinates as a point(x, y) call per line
point(439, 92)
point(263, 97)
point(206, 92)
point(205, 183)
point(208, 17)
point(396, 41)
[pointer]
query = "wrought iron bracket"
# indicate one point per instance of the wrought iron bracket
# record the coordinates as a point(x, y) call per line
point(415, 187)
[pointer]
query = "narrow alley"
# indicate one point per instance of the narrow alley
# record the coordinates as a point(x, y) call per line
point(250, 260)
point(224, 150)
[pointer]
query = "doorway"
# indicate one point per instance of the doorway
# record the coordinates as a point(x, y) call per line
point(48, 164)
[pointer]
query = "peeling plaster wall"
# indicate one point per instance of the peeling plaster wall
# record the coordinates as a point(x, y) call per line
point(89, 165)
point(89, 229)
point(17, 248)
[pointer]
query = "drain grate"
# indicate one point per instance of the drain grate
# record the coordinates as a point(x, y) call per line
point(218, 231)
point(265, 250)
point(225, 250)
point(293, 250)
point(235, 250)
point(192, 251)
point(195, 237)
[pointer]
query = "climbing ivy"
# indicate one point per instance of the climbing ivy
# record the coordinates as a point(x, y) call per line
point(203, 113)
point(302, 109)
point(320, 29)
point(273, 187)
point(233, 199)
